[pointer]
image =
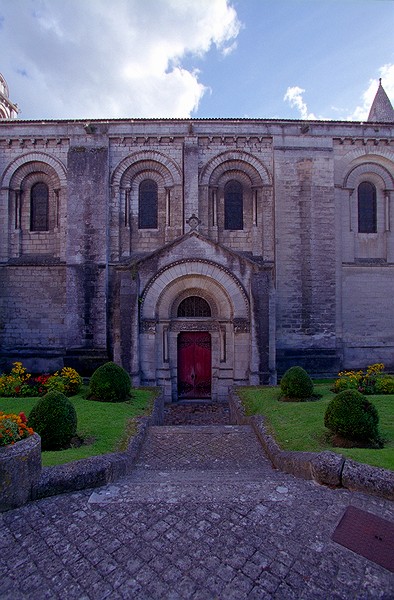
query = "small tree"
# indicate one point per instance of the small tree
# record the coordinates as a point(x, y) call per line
point(296, 384)
point(54, 418)
point(110, 383)
point(351, 415)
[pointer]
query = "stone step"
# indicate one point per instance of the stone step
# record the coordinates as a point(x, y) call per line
point(203, 447)
point(205, 463)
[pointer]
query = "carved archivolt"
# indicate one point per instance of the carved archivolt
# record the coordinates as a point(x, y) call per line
point(148, 160)
point(26, 164)
point(204, 277)
point(235, 160)
point(364, 170)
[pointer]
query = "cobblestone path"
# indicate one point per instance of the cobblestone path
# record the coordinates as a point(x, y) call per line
point(203, 516)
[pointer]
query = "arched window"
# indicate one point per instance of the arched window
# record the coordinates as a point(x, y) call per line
point(194, 306)
point(39, 207)
point(233, 205)
point(366, 207)
point(147, 204)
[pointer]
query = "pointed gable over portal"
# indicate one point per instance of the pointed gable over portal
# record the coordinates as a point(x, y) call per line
point(381, 109)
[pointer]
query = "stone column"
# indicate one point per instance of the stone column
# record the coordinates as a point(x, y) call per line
point(262, 355)
point(5, 224)
point(190, 170)
point(86, 251)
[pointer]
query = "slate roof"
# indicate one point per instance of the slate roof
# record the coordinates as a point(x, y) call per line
point(381, 109)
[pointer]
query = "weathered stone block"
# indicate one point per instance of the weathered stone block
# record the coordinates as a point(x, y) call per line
point(20, 469)
point(326, 468)
point(358, 477)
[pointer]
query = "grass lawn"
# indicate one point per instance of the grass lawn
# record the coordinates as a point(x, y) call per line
point(107, 423)
point(300, 425)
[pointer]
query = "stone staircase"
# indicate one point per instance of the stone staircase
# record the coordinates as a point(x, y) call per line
point(197, 463)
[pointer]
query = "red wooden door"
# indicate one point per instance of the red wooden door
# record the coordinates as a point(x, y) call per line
point(194, 364)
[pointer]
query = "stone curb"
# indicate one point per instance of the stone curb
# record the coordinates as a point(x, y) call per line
point(326, 468)
point(98, 470)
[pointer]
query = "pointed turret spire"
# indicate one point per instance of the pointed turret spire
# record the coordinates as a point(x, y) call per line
point(381, 109)
point(8, 110)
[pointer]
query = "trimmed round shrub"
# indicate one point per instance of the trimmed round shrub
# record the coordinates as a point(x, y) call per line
point(352, 416)
point(296, 384)
point(55, 420)
point(109, 383)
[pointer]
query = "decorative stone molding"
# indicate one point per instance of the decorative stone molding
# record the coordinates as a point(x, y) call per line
point(194, 266)
point(194, 326)
point(193, 222)
point(147, 326)
point(235, 159)
point(362, 170)
point(34, 161)
point(150, 159)
point(241, 326)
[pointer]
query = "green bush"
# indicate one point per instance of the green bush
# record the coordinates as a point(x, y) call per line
point(55, 420)
point(296, 384)
point(109, 383)
point(352, 416)
point(384, 384)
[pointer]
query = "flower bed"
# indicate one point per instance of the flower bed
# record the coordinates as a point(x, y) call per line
point(372, 381)
point(21, 384)
point(13, 428)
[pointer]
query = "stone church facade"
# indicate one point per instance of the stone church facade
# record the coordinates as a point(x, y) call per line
point(198, 254)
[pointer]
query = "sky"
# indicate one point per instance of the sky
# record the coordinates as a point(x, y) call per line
point(290, 59)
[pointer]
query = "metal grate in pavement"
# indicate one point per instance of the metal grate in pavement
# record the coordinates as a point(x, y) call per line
point(367, 535)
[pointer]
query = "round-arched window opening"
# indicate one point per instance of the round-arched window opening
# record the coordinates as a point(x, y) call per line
point(367, 217)
point(194, 306)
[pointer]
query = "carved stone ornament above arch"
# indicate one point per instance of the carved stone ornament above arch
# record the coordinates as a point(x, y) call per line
point(235, 160)
point(32, 162)
point(217, 285)
point(147, 160)
point(362, 171)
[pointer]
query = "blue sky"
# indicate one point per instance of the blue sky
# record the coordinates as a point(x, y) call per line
point(201, 58)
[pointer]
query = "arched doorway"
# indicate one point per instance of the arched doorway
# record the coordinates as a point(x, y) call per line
point(194, 364)
point(194, 349)
point(191, 340)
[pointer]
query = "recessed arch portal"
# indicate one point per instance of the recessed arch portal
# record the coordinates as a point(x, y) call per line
point(213, 280)
point(190, 316)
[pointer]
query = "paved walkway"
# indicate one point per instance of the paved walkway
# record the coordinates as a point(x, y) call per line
point(203, 516)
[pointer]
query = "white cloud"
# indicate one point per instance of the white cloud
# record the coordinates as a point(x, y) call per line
point(361, 112)
point(294, 97)
point(117, 58)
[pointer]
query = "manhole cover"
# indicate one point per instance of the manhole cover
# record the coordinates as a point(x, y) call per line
point(367, 535)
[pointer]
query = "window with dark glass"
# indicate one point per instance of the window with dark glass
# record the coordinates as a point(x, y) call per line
point(366, 208)
point(233, 205)
point(39, 207)
point(194, 306)
point(147, 204)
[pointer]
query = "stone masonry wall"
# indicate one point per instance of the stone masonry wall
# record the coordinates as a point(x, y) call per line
point(32, 309)
point(87, 241)
point(368, 316)
point(306, 250)
point(300, 220)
